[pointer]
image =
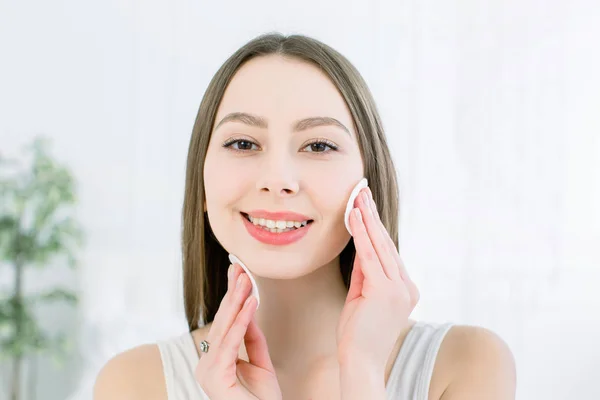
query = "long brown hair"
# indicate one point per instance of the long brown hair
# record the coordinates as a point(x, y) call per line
point(205, 261)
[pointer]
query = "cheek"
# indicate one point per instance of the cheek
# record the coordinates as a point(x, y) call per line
point(335, 203)
point(334, 191)
point(224, 182)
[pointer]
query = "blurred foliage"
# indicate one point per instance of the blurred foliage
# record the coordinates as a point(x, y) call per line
point(37, 230)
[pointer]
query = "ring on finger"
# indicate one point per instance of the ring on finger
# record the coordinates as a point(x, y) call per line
point(204, 346)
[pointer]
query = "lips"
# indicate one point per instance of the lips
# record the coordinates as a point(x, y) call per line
point(274, 238)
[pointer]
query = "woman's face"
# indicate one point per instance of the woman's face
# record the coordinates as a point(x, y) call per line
point(266, 159)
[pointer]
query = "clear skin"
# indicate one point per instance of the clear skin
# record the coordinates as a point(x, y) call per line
point(301, 288)
point(314, 328)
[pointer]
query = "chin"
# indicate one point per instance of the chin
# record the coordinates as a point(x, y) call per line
point(278, 265)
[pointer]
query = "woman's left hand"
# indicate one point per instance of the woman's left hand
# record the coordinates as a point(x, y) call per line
point(381, 296)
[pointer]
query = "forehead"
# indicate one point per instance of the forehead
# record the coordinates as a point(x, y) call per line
point(282, 90)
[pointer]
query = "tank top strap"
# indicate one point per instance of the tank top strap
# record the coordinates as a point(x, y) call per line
point(411, 373)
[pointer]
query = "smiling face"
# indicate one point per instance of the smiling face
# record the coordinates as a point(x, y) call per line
point(283, 141)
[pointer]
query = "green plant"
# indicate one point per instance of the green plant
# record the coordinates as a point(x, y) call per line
point(37, 230)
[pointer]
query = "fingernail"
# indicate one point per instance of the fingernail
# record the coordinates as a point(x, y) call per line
point(239, 282)
point(229, 271)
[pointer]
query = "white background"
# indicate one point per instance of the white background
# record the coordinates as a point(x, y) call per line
point(492, 110)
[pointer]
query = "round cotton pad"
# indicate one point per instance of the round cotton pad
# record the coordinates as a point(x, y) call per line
point(233, 259)
point(350, 205)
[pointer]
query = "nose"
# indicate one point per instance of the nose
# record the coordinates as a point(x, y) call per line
point(278, 177)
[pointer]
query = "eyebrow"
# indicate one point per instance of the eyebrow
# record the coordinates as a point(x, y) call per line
point(303, 124)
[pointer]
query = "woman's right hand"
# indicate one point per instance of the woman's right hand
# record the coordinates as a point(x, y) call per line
point(220, 373)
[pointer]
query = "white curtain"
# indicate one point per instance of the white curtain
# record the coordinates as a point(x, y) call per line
point(491, 109)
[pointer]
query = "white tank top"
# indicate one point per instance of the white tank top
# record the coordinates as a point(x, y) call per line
point(409, 379)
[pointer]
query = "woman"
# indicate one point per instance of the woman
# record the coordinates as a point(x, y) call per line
point(285, 130)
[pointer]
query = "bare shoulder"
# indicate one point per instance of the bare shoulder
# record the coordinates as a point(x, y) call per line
point(474, 363)
point(134, 374)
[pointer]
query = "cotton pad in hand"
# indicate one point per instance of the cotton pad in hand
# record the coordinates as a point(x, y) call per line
point(350, 205)
point(233, 259)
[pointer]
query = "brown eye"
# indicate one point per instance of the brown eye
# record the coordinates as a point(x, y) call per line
point(242, 145)
point(320, 146)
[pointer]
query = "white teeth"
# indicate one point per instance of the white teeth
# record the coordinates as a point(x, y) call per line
point(275, 226)
point(281, 224)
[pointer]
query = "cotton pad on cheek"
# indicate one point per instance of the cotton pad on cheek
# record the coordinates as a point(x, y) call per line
point(350, 205)
point(233, 259)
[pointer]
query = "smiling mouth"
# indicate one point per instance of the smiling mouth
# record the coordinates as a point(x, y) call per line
point(276, 226)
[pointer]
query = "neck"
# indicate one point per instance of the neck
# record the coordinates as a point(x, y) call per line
point(299, 317)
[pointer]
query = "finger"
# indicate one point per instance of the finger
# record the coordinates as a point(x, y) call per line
point(356, 281)
point(412, 288)
point(230, 347)
point(236, 270)
point(377, 238)
point(229, 309)
point(371, 268)
point(230, 283)
point(390, 243)
point(256, 346)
